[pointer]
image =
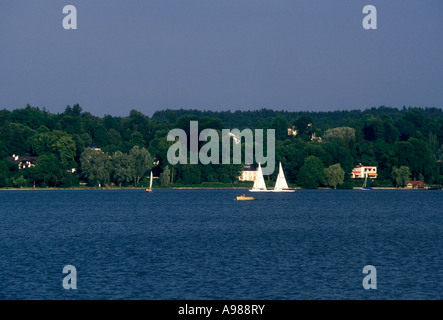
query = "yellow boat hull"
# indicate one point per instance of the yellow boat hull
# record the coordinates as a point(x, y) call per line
point(245, 198)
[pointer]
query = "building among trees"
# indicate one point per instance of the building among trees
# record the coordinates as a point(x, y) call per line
point(248, 173)
point(361, 171)
point(416, 185)
point(23, 162)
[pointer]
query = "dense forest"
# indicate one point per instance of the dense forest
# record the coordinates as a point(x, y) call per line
point(317, 149)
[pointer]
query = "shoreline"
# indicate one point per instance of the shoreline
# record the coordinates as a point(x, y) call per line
point(197, 188)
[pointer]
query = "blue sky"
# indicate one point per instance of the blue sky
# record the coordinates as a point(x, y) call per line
point(149, 55)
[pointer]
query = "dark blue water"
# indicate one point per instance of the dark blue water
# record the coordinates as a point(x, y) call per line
point(202, 244)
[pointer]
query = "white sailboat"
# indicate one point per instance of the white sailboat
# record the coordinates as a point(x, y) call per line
point(150, 184)
point(259, 182)
point(365, 187)
point(281, 185)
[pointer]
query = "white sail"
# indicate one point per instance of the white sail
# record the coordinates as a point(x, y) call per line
point(150, 182)
point(365, 187)
point(259, 182)
point(281, 183)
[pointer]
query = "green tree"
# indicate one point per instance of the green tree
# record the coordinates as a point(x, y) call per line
point(159, 147)
point(43, 129)
point(115, 137)
point(412, 124)
point(334, 175)
point(3, 150)
point(71, 124)
point(336, 153)
point(303, 124)
point(69, 179)
point(142, 161)
point(48, 170)
point(100, 136)
point(384, 159)
point(391, 133)
point(65, 148)
point(318, 150)
point(31, 174)
point(312, 173)
point(280, 124)
point(191, 174)
point(81, 142)
point(21, 182)
point(123, 168)
point(373, 129)
point(96, 166)
point(3, 173)
point(136, 119)
point(15, 137)
point(227, 173)
point(56, 142)
point(415, 154)
point(401, 176)
point(292, 154)
point(137, 139)
point(345, 136)
point(165, 178)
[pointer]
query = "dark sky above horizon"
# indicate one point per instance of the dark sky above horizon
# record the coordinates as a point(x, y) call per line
point(297, 55)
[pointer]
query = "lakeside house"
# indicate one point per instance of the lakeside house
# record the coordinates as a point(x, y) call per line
point(23, 162)
point(248, 173)
point(292, 131)
point(360, 172)
point(415, 184)
point(95, 147)
point(315, 138)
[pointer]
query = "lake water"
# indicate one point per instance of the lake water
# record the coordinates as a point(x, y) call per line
point(202, 244)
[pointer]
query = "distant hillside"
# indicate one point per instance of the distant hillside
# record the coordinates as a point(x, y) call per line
point(323, 119)
point(317, 149)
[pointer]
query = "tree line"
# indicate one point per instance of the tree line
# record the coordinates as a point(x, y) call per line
point(317, 149)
